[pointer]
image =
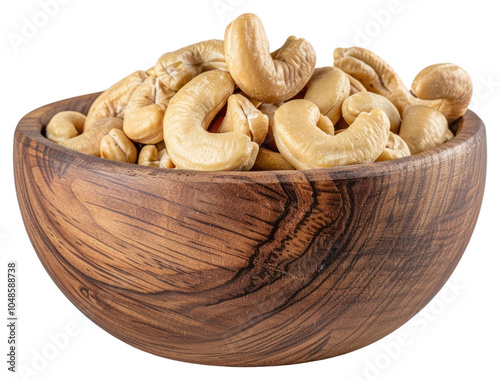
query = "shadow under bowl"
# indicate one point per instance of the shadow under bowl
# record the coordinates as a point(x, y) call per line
point(248, 268)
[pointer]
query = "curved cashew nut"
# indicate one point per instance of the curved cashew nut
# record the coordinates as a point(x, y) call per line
point(448, 83)
point(396, 148)
point(143, 122)
point(424, 128)
point(328, 88)
point(256, 72)
point(305, 146)
point(366, 102)
point(90, 140)
point(151, 156)
point(177, 68)
point(445, 87)
point(65, 125)
point(244, 118)
point(185, 127)
point(116, 146)
point(269, 160)
point(114, 101)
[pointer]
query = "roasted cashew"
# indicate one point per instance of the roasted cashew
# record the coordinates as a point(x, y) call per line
point(424, 128)
point(151, 156)
point(396, 148)
point(116, 146)
point(269, 160)
point(328, 88)
point(305, 146)
point(177, 68)
point(65, 125)
point(256, 72)
point(89, 141)
point(447, 82)
point(243, 117)
point(367, 101)
point(143, 122)
point(185, 127)
point(113, 102)
point(445, 87)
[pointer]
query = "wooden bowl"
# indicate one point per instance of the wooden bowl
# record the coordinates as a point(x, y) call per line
point(248, 268)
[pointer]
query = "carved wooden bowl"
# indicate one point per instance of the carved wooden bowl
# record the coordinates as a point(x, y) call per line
point(248, 268)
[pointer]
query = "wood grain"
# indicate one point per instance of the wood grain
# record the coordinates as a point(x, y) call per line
point(248, 269)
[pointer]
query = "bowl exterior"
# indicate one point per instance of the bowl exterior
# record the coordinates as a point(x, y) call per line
point(247, 269)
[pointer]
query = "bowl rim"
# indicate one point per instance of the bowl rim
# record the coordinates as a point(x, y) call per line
point(467, 129)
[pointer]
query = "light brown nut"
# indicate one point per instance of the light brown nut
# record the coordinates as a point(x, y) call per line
point(256, 72)
point(366, 102)
point(113, 102)
point(90, 140)
point(143, 122)
point(151, 156)
point(374, 73)
point(243, 117)
point(305, 146)
point(65, 125)
point(177, 68)
point(448, 83)
point(188, 116)
point(396, 148)
point(423, 128)
point(151, 71)
point(445, 87)
point(269, 110)
point(356, 85)
point(116, 146)
point(270, 160)
point(328, 88)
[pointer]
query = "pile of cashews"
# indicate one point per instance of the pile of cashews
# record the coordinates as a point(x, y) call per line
point(234, 105)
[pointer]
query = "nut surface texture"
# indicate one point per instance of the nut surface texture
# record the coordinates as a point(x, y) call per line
point(89, 142)
point(143, 122)
point(306, 146)
point(424, 128)
point(177, 68)
point(243, 117)
point(113, 102)
point(328, 88)
point(116, 146)
point(185, 127)
point(256, 72)
point(65, 125)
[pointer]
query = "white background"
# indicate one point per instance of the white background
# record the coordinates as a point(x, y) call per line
point(85, 46)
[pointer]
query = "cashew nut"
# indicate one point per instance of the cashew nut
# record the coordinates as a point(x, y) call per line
point(114, 101)
point(185, 127)
point(305, 146)
point(269, 160)
point(367, 101)
point(151, 156)
point(256, 72)
point(356, 85)
point(116, 146)
point(445, 87)
point(243, 117)
point(328, 88)
point(89, 141)
point(177, 68)
point(65, 125)
point(396, 148)
point(448, 83)
point(424, 128)
point(143, 122)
